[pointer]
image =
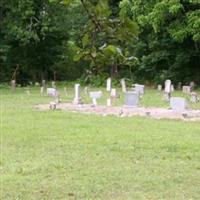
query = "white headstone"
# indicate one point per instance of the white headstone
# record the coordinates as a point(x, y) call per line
point(167, 92)
point(53, 84)
point(52, 92)
point(168, 86)
point(65, 91)
point(108, 84)
point(172, 88)
point(95, 96)
point(159, 88)
point(77, 98)
point(42, 90)
point(123, 84)
point(178, 104)
point(13, 85)
point(109, 102)
point(139, 88)
point(114, 93)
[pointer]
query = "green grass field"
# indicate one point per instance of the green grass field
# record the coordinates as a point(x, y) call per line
point(56, 155)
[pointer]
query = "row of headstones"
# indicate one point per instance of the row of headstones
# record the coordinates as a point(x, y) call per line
point(169, 88)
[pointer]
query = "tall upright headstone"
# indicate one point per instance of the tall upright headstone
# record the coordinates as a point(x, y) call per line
point(13, 85)
point(167, 92)
point(77, 97)
point(65, 91)
point(53, 84)
point(159, 88)
point(123, 84)
point(43, 87)
point(108, 84)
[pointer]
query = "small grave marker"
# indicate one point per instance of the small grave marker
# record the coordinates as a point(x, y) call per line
point(95, 96)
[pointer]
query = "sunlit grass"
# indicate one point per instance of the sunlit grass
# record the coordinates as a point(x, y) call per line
point(59, 155)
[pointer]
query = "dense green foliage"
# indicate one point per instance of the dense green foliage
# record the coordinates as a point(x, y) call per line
point(93, 39)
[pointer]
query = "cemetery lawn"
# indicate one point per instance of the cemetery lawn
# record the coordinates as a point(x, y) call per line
point(56, 155)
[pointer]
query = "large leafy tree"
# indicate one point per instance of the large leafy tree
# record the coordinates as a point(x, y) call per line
point(107, 38)
point(169, 40)
point(32, 35)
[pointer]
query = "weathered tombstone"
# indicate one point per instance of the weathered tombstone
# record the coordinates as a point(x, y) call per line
point(86, 90)
point(139, 88)
point(186, 89)
point(95, 96)
point(13, 85)
point(52, 92)
point(28, 92)
point(109, 102)
point(159, 88)
point(167, 92)
point(194, 97)
point(114, 93)
point(179, 86)
point(132, 99)
point(192, 85)
point(65, 91)
point(77, 98)
point(53, 84)
point(172, 88)
point(52, 105)
point(178, 104)
point(37, 84)
point(42, 90)
point(108, 84)
point(123, 84)
point(43, 83)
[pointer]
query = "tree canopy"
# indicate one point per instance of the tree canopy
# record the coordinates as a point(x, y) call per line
point(93, 39)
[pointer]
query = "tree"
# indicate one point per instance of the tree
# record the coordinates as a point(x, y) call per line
point(107, 38)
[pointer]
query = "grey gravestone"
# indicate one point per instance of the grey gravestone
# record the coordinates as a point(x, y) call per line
point(139, 88)
point(13, 85)
point(132, 99)
point(42, 90)
point(179, 86)
point(123, 84)
point(192, 85)
point(95, 96)
point(178, 104)
point(44, 83)
point(77, 98)
point(186, 89)
point(108, 84)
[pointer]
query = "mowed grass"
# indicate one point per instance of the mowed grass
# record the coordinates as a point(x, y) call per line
point(57, 155)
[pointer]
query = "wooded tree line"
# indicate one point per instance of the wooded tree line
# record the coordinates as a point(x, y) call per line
point(141, 40)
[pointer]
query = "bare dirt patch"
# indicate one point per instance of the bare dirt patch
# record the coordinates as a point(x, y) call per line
point(157, 113)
